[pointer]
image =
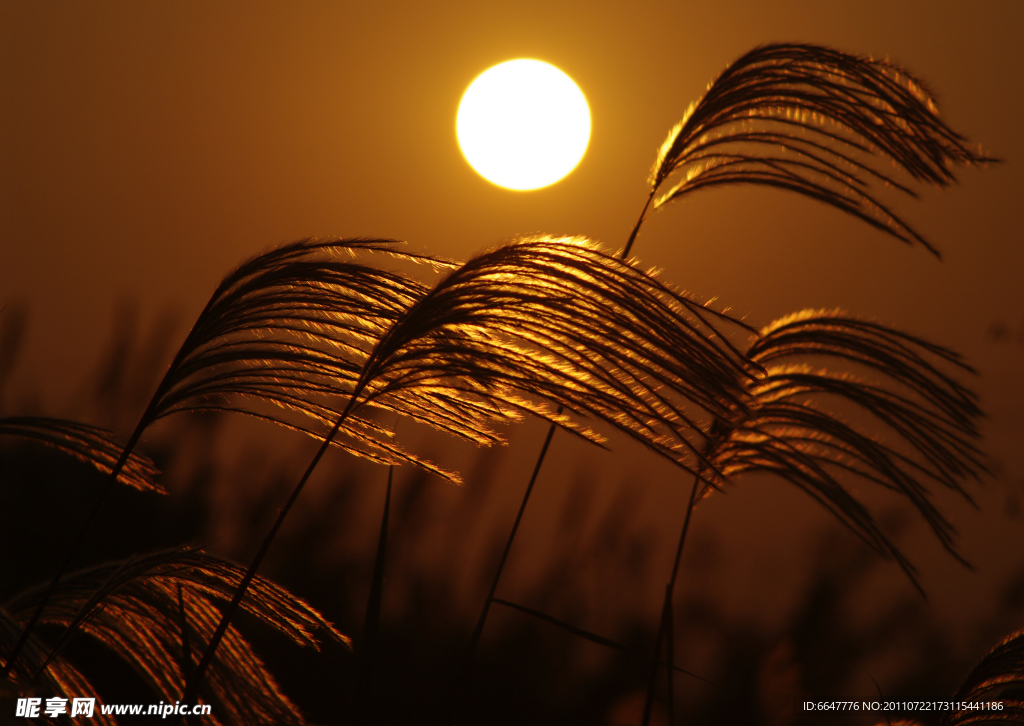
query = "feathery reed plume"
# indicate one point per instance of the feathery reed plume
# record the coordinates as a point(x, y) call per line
point(86, 443)
point(816, 121)
point(132, 608)
point(293, 328)
point(929, 417)
point(930, 420)
point(996, 682)
point(545, 322)
point(824, 124)
point(998, 677)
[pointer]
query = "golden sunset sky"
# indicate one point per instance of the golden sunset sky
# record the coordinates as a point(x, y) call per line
point(147, 148)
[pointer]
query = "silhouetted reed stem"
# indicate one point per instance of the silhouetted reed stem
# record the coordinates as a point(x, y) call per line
point(479, 629)
point(367, 650)
point(482, 620)
point(665, 627)
point(636, 227)
point(192, 688)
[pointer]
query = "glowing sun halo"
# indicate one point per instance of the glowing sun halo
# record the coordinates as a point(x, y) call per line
point(523, 124)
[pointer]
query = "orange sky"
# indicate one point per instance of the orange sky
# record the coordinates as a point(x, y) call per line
point(146, 148)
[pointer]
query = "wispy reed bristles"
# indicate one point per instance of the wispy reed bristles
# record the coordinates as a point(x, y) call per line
point(923, 422)
point(292, 328)
point(543, 322)
point(819, 122)
point(86, 443)
point(131, 609)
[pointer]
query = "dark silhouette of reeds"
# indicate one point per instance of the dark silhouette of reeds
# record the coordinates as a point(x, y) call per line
point(319, 337)
point(144, 609)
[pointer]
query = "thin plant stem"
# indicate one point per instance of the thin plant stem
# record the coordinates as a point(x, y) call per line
point(186, 647)
point(665, 629)
point(478, 630)
point(192, 688)
point(371, 623)
point(670, 656)
point(636, 227)
point(656, 661)
point(482, 620)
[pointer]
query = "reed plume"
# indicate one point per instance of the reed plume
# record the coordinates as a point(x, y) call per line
point(293, 328)
point(819, 122)
point(921, 428)
point(94, 446)
point(991, 692)
point(543, 322)
point(923, 422)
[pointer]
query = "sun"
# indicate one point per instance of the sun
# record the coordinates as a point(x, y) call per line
point(523, 124)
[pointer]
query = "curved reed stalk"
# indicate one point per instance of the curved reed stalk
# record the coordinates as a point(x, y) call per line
point(545, 322)
point(86, 443)
point(816, 121)
point(707, 388)
point(134, 609)
point(819, 122)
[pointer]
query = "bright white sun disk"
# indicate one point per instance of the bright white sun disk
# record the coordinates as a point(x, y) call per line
point(523, 124)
